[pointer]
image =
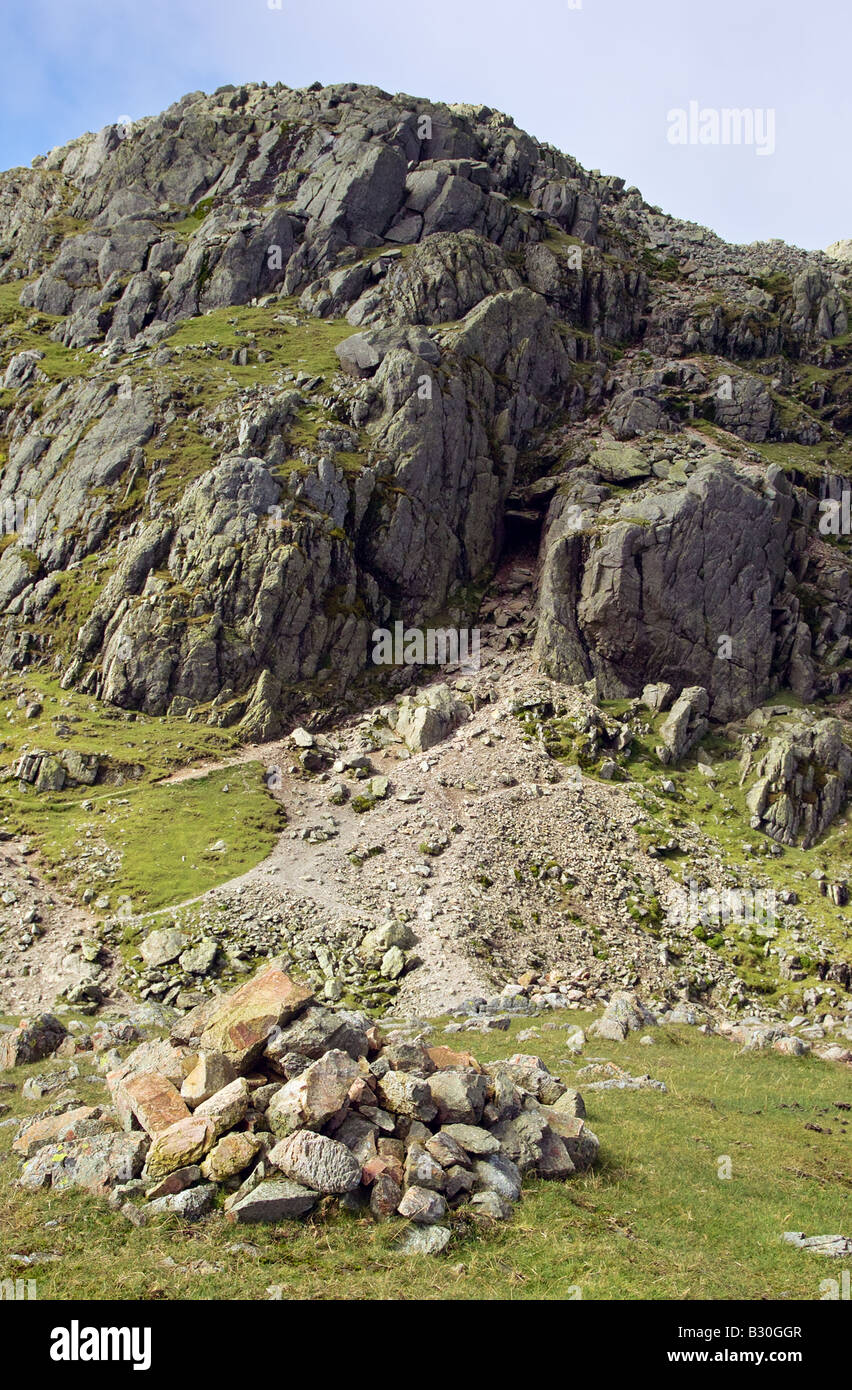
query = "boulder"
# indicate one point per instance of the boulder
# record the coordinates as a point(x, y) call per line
point(31, 1041)
point(79, 1123)
point(189, 1205)
point(226, 1108)
point(317, 1162)
point(162, 946)
point(239, 1024)
point(423, 1206)
point(310, 1100)
point(459, 1095)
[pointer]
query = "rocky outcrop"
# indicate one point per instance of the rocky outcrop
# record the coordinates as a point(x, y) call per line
point(690, 579)
point(801, 783)
point(431, 312)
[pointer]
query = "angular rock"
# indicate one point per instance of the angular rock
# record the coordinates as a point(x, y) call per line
point(211, 1073)
point(79, 1123)
point(189, 1205)
point(239, 1024)
point(317, 1162)
point(459, 1095)
point(309, 1101)
point(153, 1100)
point(423, 1240)
point(422, 1205)
point(96, 1164)
point(273, 1200)
point(179, 1146)
point(231, 1155)
point(226, 1108)
point(409, 1095)
point(472, 1138)
point(162, 946)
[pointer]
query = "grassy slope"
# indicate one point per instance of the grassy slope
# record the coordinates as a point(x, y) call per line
point(161, 832)
point(653, 1222)
point(717, 808)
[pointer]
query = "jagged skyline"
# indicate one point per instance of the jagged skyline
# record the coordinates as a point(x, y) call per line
point(600, 79)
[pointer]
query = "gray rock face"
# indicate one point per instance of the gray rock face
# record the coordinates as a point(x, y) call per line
point(628, 596)
point(444, 296)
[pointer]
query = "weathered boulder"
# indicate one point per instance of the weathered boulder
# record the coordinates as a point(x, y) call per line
point(96, 1164)
point(239, 1024)
point(429, 718)
point(31, 1041)
point(317, 1162)
point(182, 1144)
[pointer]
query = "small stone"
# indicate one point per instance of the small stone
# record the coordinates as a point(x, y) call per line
point(422, 1205)
point(189, 1205)
point(423, 1240)
point(491, 1204)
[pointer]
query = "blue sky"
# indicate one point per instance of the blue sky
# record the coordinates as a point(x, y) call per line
point(597, 78)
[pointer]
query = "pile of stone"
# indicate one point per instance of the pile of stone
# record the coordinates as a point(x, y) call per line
point(277, 1102)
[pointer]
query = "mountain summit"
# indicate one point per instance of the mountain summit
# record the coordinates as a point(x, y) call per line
point(282, 367)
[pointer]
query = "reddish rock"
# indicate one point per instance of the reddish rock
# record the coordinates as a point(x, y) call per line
point(153, 1100)
point(445, 1057)
point(59, 1129)
point(239, 1024)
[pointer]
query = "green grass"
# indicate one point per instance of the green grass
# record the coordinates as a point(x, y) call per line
point(307, 346)
point(22, 328)
point(158, 836)
point(654, 1221)
point(157, 833)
